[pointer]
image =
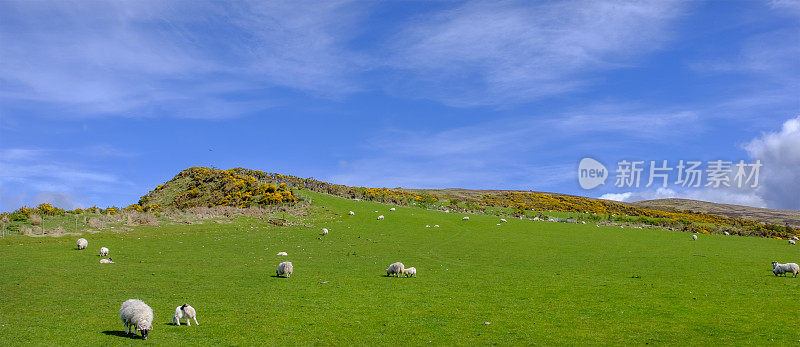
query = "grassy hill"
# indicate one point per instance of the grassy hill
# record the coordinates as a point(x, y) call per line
point(735, 211)
point(535, 282)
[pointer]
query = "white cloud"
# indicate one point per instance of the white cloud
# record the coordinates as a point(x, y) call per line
point(780, 176)
point(181, 59)
point(519, 51)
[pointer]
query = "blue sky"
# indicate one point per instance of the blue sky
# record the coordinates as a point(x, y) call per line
point(102, 101)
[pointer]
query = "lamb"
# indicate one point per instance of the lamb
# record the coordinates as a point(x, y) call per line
point(694, 237)
point(284, 269)
point(352, 213)
point(791, 242)
point(324, 231)
point(106, 261)
point(282, 253)
point(103, 252)
point(184, 311)
point(135, 314)
point(503, 220)
point(465, 218)
point(395, 269)
point(380, 217)
point(412, 271)
point(82, 243)
point(782, 269)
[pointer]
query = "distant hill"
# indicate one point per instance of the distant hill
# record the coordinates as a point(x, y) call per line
point(779, 217)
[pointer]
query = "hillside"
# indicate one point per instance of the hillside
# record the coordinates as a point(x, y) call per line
point(734, 211)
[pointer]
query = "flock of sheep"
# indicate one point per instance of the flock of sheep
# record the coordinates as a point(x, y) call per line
point(138, 316)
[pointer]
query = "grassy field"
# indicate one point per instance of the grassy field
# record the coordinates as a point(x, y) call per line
point(536, 282)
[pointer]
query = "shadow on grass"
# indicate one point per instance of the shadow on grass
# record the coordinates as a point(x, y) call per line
point(276, 276)
point(121, 333)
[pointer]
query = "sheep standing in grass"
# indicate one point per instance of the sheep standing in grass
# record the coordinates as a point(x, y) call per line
point(136, 315)
point(465, 218)
point(726, 233)
point(106, 261)
point(324, 231)
point(184, 311)
point(392, 209)
point(412, 271)
point(282, 253)
point(436, 226)
point(82, 243)
point(395, 269)
point(380, 217)
point(795, 238)
point(503, 220)
point(103, 252)
point(694, 237)
point(791, 242)
point(352, 213)
point(783, 269)
point(284, 269)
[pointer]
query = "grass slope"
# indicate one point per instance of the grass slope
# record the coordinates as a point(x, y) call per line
point(536, 282)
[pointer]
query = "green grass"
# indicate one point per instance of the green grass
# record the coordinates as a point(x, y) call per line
point(536, 282)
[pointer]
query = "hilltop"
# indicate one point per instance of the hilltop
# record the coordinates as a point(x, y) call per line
point(765, 215)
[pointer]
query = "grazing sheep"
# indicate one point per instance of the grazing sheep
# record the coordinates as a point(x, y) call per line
point(503, 220)
point(135, 314)
point(427, 226)
point(392, 209)
point(352, 213)
point(583, 222)
point(103, 251)
point(82, 243)
point(465, 218)
point(795, 238)
point(694, 237)
point(184, 311)
point(791, 242)
point(324, 231)
point(412, 271)
point(782, 269)
point(380, 217)
point(395, 269)
point(282, 253)
point(106, 261)
point(284, 269)
point(436, 226)
point(726, 233)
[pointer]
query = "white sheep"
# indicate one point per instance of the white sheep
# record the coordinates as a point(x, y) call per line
point(436, 226)
point(352, 213)
point(106, 261)
point(392, 209)
point(380, 217)
point(795, 238)
point(324, 231)
point(694, 237)
point(82, 243)
point(791, 242)
point(726, 233)
point(184, 311)
point(427, 226)
point(282, 253)
point(103, 251)
point(412, 271)
point(284, 269)
point(135, 314)
point(395, 269)
point(782, 269)
point(503, 220)
point(465, 218)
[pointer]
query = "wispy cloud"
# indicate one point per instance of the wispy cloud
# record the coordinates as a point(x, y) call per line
point(153, 58)
point(519, 51)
